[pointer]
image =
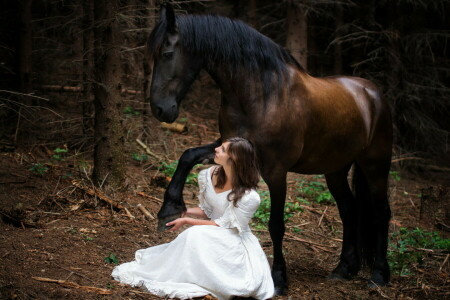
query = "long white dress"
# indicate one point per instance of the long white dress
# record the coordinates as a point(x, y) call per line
point(222, 261)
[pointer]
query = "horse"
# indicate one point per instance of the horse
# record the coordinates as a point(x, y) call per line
point(296, 122)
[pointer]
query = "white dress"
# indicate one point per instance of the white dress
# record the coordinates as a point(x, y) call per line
point(222, 261)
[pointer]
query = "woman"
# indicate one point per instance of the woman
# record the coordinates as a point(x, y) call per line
point(219, 256)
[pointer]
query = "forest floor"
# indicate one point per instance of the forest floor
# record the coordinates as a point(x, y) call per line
point(55, 227)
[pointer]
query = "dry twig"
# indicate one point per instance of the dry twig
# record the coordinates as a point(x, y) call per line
point(145, 211)
point(148, 150)
point(129, 214)
point(95, 192)
point(320, 246)
point(159, 200)
point(71, 284)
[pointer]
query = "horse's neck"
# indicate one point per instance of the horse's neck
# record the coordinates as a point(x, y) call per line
point(238, 89)
point(243, 89)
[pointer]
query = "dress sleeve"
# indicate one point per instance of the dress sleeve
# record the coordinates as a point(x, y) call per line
point(239, 216)
point(202, 184)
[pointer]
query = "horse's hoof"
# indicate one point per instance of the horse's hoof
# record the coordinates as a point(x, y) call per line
point(377, 280)
point(280, 291)
point(373, 285)
point(337, 277)
point(162, 222)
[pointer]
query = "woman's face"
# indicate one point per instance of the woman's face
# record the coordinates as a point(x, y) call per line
point(222, 156)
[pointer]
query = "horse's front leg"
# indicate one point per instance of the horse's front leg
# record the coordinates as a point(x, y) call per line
point(173, 205)
point(277, 186)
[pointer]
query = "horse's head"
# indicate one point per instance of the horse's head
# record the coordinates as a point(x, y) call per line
point(174, 69)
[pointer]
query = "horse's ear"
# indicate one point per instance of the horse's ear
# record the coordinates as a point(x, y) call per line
point(167, 14)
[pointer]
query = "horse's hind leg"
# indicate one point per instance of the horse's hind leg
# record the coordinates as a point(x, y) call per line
point(349, 263)
point(378, 213)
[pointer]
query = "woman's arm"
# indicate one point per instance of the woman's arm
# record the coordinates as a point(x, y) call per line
point(196, 212)
point(188, 221)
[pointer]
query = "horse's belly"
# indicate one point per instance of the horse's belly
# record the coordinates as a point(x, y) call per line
point(326, 160)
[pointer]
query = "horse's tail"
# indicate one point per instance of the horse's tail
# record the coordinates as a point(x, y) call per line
point(366, 233)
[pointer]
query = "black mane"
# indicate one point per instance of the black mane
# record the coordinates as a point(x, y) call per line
point(230, 42)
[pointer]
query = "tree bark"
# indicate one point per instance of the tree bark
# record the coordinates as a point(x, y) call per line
point(252, 6)
point(88, 67)
point(148, 70)
point(25, 47)
point(297, 33)
point(339, 21)
point(109, 157)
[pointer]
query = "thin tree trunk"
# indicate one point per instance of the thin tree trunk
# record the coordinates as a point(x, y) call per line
point(252, 5)
point(109, 157)
point(88, 67)
point(148, 70)
point(339, 21)
point(297, 33)
point(25, 47)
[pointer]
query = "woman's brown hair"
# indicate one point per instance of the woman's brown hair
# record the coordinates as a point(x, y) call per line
point(244, 167)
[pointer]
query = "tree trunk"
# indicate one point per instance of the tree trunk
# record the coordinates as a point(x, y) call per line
point(252, 6)
point(148, 70)
point(25, 47)
point(339, 21)
point(297, 33)
point(109, 157)
point(88, 68)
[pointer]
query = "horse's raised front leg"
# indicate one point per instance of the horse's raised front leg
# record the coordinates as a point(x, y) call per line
point(277, 186)
point(350, 262)
point(173, 205)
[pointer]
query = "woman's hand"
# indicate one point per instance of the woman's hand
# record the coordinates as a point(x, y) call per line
point(177, 224)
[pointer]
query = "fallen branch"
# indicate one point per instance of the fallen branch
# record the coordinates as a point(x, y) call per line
point(129, 214)
point(97, 193)
point(443, 264)
point(323, 215)
point(75, 89)
point(71, 284)
point(159, 200)
point(320, 246)
point(405, 158)
point(148, 150)
point(176, 127)
point(149, 197)
point(145, 211)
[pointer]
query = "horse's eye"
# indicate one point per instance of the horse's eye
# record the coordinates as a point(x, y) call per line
point(167, 55)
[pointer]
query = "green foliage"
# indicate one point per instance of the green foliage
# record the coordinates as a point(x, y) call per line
point(315, 191)
point(403, 253)
point(139, 157)
point(39, 169)
point(111, 259)
point(72, 230)
point(87, 238)
point(59, 154)
point(129, 111)
point(262, 214)
point(110, 286)
point(169, 169)
point(394, 175)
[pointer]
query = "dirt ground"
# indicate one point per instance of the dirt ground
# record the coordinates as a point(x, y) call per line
point(51, 228)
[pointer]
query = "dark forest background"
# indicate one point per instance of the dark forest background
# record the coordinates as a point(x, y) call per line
point(69, 56)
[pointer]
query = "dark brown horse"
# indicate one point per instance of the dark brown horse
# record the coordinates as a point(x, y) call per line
point(298, 123)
